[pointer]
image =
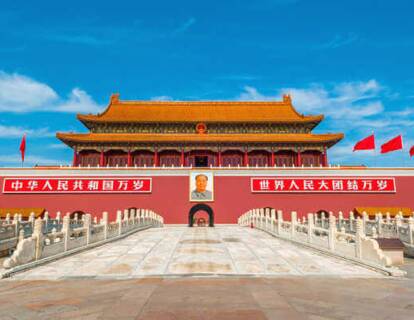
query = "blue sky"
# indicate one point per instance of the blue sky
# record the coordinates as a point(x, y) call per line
point(350, 60)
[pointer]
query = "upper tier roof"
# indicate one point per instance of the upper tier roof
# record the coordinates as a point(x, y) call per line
point(200, 111)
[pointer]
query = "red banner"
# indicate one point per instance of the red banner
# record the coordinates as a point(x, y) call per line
point(77, 185)
point(318, 184)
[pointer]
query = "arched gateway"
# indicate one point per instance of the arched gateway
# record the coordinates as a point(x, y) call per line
point(201, 207)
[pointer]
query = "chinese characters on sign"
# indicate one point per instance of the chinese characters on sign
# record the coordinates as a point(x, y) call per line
point(77, 185)
point(317, 184)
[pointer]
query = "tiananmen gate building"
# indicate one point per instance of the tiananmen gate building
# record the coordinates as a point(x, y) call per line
point(222, 158)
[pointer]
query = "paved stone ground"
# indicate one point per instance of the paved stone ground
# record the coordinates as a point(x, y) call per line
point(282, 281)
point(223, 250)
point(293, 297)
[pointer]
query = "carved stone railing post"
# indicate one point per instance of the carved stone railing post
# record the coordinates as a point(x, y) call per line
point(272, 220)
point(266, 215)
point(358, 235)
point(388, 217)
point(365, 218)
point(322, 219)
point(16, 224)
point(340, 219)
point(293, 222)
point(87, 223)
point(144, 217)
point(38, 235)
point(279, 221)
point(133, 216)
point(104, 221)
point(32, 219)
point(379, 223)
point(66, 231)
point(310, 227)
point(398, 224)
point(46, 221)
point(261, 218)
point(58, 217)
point(332, 232)
point(119, 221)
point(351, 221)
point(411, 230)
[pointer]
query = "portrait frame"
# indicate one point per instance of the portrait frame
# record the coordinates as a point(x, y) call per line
point(209, 188)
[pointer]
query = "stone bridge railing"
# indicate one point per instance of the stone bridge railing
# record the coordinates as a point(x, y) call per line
point(382, 226)
point(10, 229)
point(75, 235)
point(354, 246)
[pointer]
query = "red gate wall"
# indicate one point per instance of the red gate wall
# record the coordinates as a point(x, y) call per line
point(170, 198)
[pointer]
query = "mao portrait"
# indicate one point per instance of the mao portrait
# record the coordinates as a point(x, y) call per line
point(201, 186)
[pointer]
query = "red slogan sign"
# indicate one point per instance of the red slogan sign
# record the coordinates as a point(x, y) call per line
point(77, 185)
point(317, 184)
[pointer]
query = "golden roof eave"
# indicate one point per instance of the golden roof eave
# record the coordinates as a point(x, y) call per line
point(71, 138)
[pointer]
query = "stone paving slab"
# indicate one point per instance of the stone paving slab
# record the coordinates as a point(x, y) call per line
point(179, 251)
point(291, 297)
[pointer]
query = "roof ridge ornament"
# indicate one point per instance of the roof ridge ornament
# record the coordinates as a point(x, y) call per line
point(114, 98)
point(287, 98)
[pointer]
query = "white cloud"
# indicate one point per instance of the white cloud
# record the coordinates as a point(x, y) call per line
point(252, 94)
point(339, 41)
point(346, 100)
point(78, 101)
point(19, 93)
point(185, 26)
point(57, 146)
point(17, 132)
point(162, 98)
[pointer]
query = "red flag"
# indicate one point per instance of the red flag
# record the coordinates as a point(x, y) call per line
point(23, 146)
point(392, 145)
point(412, 151)
point(367, 143)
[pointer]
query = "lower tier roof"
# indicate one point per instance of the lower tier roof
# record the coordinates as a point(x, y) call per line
point(79, 138)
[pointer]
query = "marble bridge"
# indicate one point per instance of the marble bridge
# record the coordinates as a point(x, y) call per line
point(183, 251)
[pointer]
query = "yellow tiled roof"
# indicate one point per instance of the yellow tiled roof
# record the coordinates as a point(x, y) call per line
point(200, 111)
point(371, 211)
point(25, 212)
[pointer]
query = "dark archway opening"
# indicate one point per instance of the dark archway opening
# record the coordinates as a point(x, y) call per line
point(201, 161)
point(201, 207)
point(78, 213)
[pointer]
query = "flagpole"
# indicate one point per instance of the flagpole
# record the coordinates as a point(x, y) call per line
point(402, 151)
point(375, 151)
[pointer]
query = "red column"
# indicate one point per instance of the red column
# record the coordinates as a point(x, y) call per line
point(182, 157)
point(299, 159)
point(325, 157)
point(156, 158)
point(272, 159)
point(219, 158)
point(129, 161)
point(102, 159)
point(246, 158)
point(75, 157)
